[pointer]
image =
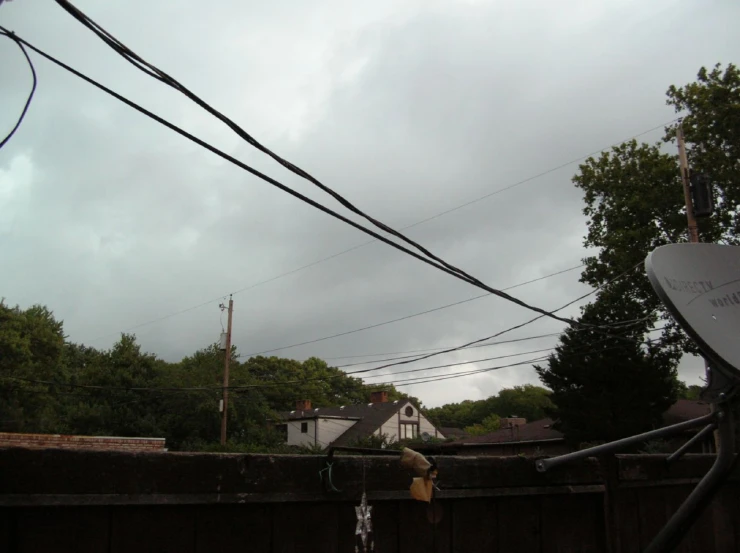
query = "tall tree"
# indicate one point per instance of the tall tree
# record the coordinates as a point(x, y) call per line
point(634, 196)
point(31, 346)
point(607, 388)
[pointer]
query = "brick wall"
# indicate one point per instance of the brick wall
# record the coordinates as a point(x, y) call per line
point(100, 443)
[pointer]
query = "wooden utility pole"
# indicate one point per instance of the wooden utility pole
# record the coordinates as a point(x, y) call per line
point(685, 178)
point(227, 360)
point(683, 161)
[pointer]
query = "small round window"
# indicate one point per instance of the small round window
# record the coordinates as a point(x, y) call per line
point(409, 411)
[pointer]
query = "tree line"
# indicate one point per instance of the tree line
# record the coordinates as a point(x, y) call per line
point(598, 386)
point(49, 384)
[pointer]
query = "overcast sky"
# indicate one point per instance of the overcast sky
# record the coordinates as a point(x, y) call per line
point(406, 107)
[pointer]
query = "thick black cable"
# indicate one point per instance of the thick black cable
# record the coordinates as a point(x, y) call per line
point(163, 77)
point(284, 188)
point(30, 95)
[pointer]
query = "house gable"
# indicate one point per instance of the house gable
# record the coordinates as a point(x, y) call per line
point(343, 426)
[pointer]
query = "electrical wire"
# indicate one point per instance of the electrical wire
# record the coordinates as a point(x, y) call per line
point(357, 246)
point(249, 387)
point(416, 352)
point(30, 95)
point(431, 259)
point(440, 308)
point(163, 77)
point(344, 374)
point(440, 266)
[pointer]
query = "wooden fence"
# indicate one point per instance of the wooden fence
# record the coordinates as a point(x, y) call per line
point(120, 502)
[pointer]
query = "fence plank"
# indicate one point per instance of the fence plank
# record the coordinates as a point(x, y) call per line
point(55, 530)
point(519, 525)
point(6, 521)
point(725, 514)
point(654, 512)
point(573, 524)
point(232, 527)
point(626, 511)
point(305, 528)
point(475, 526)
point(417, 533)
point(153, 529)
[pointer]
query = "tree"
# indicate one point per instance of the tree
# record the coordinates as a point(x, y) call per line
point(490, 424)
point(607, 388)
point(529, 401)
point(31, 346)
point(634, 195)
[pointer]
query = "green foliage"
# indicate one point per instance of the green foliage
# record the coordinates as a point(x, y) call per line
point(608, 388)
point(377, 441)
point(634, 195)
point(634, 203)
point(49, 385)
point(528, 401)
point(490, 424)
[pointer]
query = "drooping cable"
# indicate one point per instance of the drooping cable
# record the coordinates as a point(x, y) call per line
point(30, 94)
point(431, 259)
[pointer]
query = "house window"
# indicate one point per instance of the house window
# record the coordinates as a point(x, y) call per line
point(409, 431)
point(409, 412)
point(304, 428)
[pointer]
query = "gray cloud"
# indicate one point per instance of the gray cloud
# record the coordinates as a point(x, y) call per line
point(406, 108)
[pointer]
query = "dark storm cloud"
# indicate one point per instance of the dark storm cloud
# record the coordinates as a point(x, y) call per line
point(408, 109)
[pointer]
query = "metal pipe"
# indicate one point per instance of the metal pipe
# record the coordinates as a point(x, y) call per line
point(543, 465)
point(682, 520)
point(685, 447)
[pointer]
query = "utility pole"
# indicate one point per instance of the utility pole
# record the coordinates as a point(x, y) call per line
point(686, 179)
point(227, 360)
point(683, 161)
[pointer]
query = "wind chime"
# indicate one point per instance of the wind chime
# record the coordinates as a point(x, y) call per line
point(364, 540)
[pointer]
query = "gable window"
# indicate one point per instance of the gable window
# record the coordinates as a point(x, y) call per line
point(409, 412)
point(304, 428)
point(409, 431)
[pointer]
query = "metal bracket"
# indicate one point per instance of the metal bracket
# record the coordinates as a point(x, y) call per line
point(690, 510)
point(543, 465)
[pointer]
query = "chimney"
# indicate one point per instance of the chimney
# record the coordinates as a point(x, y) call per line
point(379, 397)
point(303, 405)
point(512, 421)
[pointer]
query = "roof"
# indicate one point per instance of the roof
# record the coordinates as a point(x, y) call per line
point(450, 432)
point(369, 416)
point(532, 431)
point(685, 409)
point(682, 410)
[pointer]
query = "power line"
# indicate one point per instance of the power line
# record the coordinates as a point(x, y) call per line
point(521, 325)
point(442, 267)
point(273, 384)
point(440, 308)
point(362, 245)
point(344, 374)
point(163, 77)
point(431, 259)
point(621, 325)
point(28, 100)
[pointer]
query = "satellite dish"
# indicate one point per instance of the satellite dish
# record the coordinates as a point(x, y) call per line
point(700, 285)
point(425, 437)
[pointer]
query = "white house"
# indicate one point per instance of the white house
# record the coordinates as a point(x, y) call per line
point(325, 426)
